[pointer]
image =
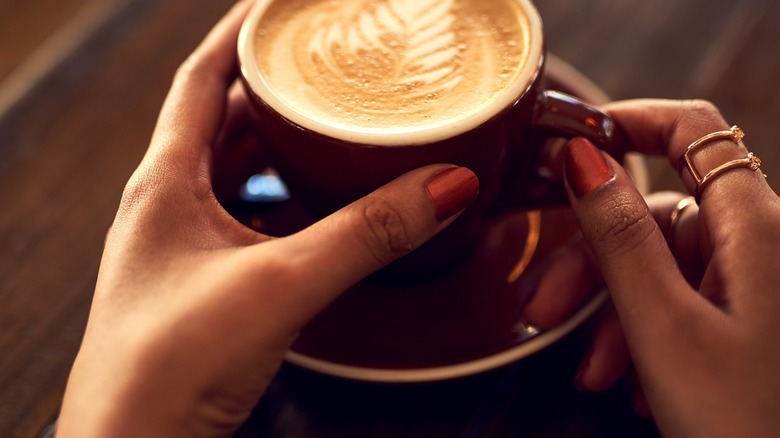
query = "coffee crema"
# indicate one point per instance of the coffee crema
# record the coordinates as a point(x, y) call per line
point(392, 66)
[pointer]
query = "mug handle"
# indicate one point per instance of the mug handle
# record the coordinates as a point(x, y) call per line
point(556, 115)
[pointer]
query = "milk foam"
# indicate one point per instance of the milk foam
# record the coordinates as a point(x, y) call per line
point(392, 66)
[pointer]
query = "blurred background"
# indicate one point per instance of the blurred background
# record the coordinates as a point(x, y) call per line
point(81, 82)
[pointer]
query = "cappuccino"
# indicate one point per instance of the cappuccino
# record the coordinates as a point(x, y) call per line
point(394, 72)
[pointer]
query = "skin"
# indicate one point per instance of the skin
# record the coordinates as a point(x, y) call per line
point(193, 313)
point(698, 315)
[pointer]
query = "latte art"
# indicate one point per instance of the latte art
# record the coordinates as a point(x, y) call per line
point(390, 65)
point(387, 57)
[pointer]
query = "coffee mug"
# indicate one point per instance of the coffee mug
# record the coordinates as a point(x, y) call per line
point(347, 95)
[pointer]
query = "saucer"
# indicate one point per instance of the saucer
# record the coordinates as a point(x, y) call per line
point(461, 322)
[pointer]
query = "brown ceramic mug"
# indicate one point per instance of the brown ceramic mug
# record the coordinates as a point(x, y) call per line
point(347, 95)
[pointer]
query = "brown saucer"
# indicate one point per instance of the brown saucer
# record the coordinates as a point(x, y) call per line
point(463, 322)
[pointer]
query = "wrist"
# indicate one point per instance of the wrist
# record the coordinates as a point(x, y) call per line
point(106, 396)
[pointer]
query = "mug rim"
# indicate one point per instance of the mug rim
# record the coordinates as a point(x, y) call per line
point(260, 88)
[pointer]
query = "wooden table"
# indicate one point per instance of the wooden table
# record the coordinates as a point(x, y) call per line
point(80, 86)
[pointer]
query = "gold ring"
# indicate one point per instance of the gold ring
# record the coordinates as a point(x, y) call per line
point(675, 216)
point(735, 134)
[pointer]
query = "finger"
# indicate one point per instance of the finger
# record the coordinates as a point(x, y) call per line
point(237, 121)
point(638, 267)
point(569, 279)
point(239, 153)
point(731, 208)
point(179, 159)
point(667, 128)
point(193, 111)
point(682, 235)
point(608, 358)
point(235, 164)
point(327, 258)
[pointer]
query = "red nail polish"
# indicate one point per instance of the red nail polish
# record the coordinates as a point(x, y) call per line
point(452, 190)
point(586, 168)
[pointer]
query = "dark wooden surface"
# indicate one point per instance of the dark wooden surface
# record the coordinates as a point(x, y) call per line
point(80, 86)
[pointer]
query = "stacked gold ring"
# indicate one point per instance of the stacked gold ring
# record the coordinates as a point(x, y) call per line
point(734, 134)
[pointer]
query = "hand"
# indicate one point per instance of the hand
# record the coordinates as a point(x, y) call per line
point(706, 354)
point(193, 313)
point(572, 277)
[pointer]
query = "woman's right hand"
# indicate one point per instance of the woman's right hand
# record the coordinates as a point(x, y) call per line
point(698, 312)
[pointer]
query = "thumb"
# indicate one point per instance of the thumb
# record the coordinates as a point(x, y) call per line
point(638, 267)
point(329, 257)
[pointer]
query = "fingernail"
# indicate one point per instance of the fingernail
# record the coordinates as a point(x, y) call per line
point(452, 190)
point(586, 169)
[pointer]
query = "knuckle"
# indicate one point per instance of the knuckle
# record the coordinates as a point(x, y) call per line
point(195, 71)
point(138, 190)
point(189, 68)
point(162, 182)
point(695, 112)
point(145, 191)
point(627, 226)
point(384, 232)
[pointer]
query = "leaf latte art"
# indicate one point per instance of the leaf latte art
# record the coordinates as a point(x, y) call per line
point(401, 48)
point(385, 64)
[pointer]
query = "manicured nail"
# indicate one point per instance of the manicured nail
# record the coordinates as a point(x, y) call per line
point(452, 190)
point(586, 168)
